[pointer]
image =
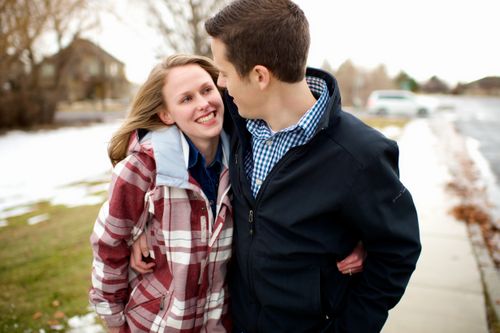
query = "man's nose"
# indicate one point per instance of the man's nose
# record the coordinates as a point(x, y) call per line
point(221, 82)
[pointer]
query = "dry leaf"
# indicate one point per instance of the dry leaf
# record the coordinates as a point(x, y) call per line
point(59, 315)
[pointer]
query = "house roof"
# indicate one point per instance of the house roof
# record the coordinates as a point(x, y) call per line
point(488, 82)
point(84, 44)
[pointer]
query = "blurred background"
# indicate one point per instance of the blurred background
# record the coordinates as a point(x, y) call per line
point(422, 72)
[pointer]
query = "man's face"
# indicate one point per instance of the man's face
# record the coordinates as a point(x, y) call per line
point(243, 91)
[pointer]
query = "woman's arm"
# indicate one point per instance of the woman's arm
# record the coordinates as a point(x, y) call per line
point(125, 211)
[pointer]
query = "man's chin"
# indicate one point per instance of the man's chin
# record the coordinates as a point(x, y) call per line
point(245, 114)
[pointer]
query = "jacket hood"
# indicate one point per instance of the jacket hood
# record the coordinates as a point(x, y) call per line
point(170, 150)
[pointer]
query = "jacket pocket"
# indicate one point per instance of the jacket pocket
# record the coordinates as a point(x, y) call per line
point(146, 304)
point(146, 316)
point(291, 288)
point(334, 287)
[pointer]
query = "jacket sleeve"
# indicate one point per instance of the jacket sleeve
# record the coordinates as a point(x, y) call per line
point(382, 212)
point(119, 220)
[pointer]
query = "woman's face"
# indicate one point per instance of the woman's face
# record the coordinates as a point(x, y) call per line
point(193, 103)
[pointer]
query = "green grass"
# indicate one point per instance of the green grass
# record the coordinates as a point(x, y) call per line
point(45, 267)
point(381, 122)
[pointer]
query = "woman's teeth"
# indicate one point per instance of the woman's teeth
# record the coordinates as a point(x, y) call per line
point(208, 117)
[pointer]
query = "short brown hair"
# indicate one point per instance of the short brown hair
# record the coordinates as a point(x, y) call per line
point(272, 33)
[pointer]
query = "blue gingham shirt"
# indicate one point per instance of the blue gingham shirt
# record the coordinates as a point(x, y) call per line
point(269, 147)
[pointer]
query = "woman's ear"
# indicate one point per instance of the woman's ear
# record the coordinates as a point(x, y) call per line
point(165, 117)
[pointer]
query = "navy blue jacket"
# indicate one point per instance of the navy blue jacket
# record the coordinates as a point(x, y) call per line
point(317, 202)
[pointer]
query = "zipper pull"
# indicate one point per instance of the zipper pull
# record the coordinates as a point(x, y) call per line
point(162, 303)
point(250, 220)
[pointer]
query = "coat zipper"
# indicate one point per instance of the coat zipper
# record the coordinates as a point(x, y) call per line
point(251, 214)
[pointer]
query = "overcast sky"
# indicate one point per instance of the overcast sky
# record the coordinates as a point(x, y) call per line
point(458, 40)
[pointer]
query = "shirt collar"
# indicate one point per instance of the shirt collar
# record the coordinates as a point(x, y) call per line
point(307, 123)
point(196, 158)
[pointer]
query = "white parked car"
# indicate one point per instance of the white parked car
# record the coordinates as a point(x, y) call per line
point(395, 102)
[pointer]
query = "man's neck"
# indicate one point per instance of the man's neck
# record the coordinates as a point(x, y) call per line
point(287, 103)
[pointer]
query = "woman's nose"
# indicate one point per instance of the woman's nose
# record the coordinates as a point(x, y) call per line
point(202, 103)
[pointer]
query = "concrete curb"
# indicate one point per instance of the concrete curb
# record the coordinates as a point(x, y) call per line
point(489, 273)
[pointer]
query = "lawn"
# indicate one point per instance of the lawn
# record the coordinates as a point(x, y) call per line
point(45, 268)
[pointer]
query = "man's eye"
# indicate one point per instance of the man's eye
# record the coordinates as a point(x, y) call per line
point(207, 90)
point(186, 99)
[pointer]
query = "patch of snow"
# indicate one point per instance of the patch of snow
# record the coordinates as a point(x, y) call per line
point(15, 212)
point(42, 162)
point(84, 324)
point(78, 195)
point(487, 178)
point(57, 327)
point(38, 218)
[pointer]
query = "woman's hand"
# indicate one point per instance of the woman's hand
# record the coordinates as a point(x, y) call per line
point(138, 254)
point(115, 329)
point(353, 263)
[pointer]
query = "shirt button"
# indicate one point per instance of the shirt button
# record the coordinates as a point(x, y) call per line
point(258, 182)
point(269, 142)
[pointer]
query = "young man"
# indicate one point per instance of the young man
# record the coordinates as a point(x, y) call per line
point(309, 182)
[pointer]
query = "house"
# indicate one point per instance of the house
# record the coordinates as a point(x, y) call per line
point(487, 86)
point(84, 71)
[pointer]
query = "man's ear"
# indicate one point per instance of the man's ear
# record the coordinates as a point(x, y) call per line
point(165, 117)
point(261, 75)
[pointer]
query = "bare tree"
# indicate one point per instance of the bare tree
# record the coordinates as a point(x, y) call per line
point(347, 75)
point(180, 23)
point(23, 25)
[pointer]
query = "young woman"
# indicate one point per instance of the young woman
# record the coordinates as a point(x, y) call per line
point(170, 180)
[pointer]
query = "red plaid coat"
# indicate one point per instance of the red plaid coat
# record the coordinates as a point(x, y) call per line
point(151, 190)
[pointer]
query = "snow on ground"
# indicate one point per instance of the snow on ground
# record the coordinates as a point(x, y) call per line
point(488, 179)
point(84, 324)
point(49, 164)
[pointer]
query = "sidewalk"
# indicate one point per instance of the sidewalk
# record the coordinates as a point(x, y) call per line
point(445, 293)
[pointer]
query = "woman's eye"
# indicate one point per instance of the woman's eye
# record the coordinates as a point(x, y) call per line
point(207, 90)
point(186, 99)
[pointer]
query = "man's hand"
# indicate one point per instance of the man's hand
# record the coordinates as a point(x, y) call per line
point(139, 256)
point(353, 263)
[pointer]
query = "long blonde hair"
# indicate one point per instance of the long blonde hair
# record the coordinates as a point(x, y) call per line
point(149, 101)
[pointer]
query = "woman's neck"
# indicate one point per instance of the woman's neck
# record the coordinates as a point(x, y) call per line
point(207, 148)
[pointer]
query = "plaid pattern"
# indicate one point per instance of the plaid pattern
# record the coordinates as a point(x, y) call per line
point(186, 292)
point(268, 147)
